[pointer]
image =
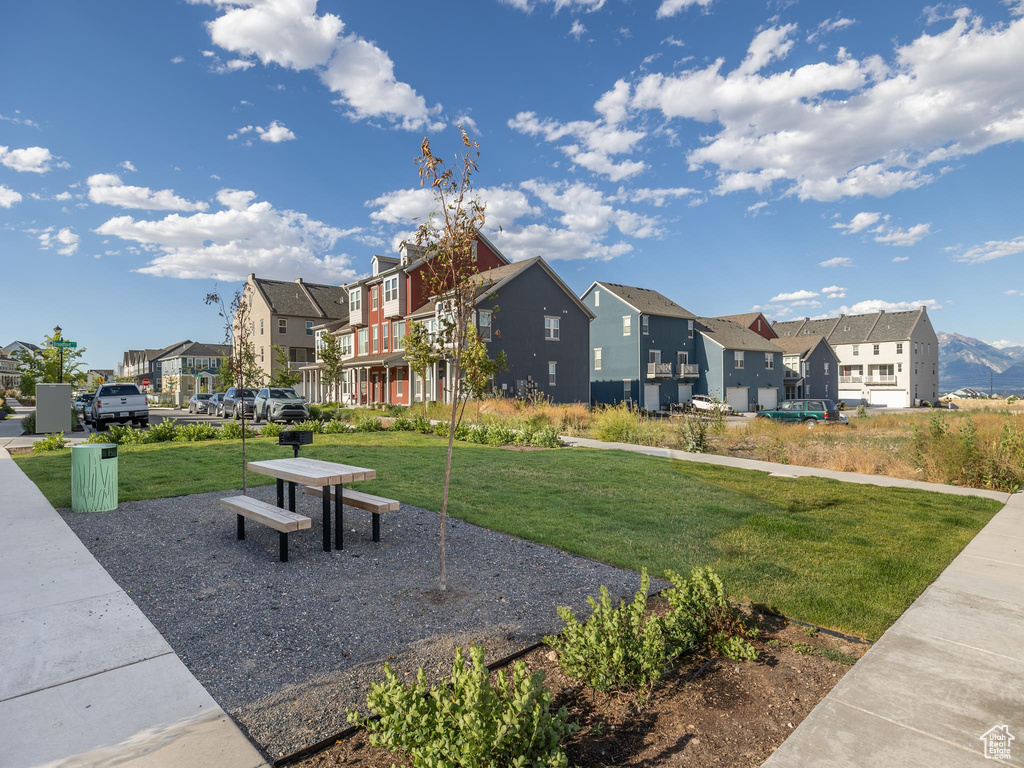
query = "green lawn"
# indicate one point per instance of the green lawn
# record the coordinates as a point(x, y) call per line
point(851, 557)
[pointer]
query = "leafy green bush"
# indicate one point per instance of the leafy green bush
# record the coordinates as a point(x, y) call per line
point(163, 432)
point(316, 413)
point(694, 429)
point(194, 433)
point(546, 437)
point(462, 431)
point(126, 434)
point(28, 424)
point(393, 409)
point(619, 424)
point(468, 722)
point(54, 442)
point(7, 407)
point(618, 648)
point(422, 424)
point(441, 429)
point(499, 434)
point(271, 430)
point(310, 425)
point(95, 438)
point(700, 616)
point(402, 424)
point(367, 423)
point(232, 430)
point(336, 426)
point(862, 410)
point(477, 434)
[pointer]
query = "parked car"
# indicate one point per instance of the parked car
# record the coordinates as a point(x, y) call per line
point(82, 403)
point(214, 403)
point(121, 403)
point(279, 404)
point(197, 403)
point(706, 403)
point(810, 413)
point(236, 401)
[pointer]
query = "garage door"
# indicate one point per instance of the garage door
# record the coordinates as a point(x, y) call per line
point(767, 397)
point(738, 398)
point(652, 397)
point(889, 398)
point(685, 393)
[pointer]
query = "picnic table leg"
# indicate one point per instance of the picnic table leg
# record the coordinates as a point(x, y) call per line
point(339, 526)
point(326, 491)
point(376, 527)
point(280, 493)
point(284, 547)
point(291, 497)
point(241, 526)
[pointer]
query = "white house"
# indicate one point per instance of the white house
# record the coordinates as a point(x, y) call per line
point(885, 358)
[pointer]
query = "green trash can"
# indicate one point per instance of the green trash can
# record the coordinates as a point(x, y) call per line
point(94, 477)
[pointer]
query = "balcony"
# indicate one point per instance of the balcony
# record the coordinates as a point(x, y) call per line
point(659, 370)
point(851, 379)
point(688, 370)
point(881, 379)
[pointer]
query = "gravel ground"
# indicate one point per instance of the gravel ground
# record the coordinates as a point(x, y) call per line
point(286, 647)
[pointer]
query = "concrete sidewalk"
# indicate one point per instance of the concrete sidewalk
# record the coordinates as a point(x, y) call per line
point(10, 430)
point(786, 470)
point(949, 670)
point(87, 679)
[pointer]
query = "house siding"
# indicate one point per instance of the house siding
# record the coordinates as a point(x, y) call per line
point(670, 336)
point(719, 372)
point(620, 355)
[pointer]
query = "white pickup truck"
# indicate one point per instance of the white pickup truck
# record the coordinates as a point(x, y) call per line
point(119, 403)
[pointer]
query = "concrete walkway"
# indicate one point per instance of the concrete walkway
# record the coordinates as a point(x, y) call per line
point(10, 430)
point(86, 679)
point(786, 470)
point(950, 669)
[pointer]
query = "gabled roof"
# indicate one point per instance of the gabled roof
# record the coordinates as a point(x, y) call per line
point(732, 335)
point(302, 299)
point(26, 344)
point(746, 319)
point(646, 301)
point(491, 280)
point(873, 327)
point(801, 345)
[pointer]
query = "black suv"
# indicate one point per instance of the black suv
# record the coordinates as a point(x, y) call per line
point(235, 400)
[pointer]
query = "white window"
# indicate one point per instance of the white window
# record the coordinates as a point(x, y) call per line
point(552, 367)
point(375, 332)
point(689, 329)
point(875, 349)
point(391, 288)
point(261, 327)
point(654, 356)
point(363, 341)
point(645, 325)
point(261, 354)
point(399, 384)
point(309, 327)
point(929, 347)
point(355, 299)
point(625, 325)
point(282, 325)
point(682, 358)
point(915, 347)
point(597, 358)
point(373, 295)
point(899, 347)
point(826, 369)
point(737, 358)
point(856, 350)
point(346, 344)
point(627, 389)
point(769, 361)
point(384, 337)
point(899, 367)
point(551, 330)
point(485, 325)
point(597, 298)
point(398, 334)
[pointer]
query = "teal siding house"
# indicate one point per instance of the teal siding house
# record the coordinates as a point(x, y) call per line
point(643, 347)
point(738, 366)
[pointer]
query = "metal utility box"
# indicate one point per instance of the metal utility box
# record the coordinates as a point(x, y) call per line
point(94, 477)
point(53, 408)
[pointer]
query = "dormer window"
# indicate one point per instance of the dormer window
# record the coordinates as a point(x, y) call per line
point(355, 301)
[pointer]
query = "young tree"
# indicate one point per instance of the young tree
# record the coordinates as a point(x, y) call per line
point(421, 352)
point(449, 239)
point(284, 376)
point(479, 369)
point(329, 355)
point(50, 365)
point(240, 368)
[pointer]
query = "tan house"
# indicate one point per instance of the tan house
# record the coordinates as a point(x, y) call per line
point(284, 314)
point(10, 372)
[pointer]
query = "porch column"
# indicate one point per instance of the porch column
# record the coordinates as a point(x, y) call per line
point(387, 385)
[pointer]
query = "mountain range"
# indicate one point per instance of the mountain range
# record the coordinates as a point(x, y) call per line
point(969, 362)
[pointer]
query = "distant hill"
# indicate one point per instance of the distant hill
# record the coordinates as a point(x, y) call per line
point(969, 362)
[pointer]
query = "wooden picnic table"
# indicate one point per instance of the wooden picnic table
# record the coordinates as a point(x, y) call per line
point(317, 474)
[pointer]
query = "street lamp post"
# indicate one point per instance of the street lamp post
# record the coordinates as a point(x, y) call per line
point(60, 374)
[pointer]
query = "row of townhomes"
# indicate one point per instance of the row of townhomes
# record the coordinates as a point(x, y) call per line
point(178, 370)
point(614, 344)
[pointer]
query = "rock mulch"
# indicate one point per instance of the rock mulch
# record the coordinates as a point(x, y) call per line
point(286, 647)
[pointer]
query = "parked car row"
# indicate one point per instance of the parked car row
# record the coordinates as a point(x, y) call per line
point(266, 404)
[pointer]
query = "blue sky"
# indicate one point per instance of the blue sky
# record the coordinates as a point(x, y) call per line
point(804, 158)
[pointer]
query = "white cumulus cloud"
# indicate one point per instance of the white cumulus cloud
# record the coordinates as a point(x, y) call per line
point(65, 241)
point(989, 250)
point(8, 197)
point(274, 133)
point(672, 7)
point(838, 261)
point(858, 223)
point(109, 189)
point(793, 296)
point(874, 305)
point(902, 237)
point(27, 160)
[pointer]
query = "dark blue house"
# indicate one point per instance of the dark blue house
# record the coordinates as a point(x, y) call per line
point(738, 366)
point(642, 347)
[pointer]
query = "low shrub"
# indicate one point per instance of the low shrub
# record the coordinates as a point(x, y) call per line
point(477, 434)
point(441, 429)
point(194, 433)
point(618, 648)
point(125, 434)
point(694, 432)
point(462, 431)
point(546, 437)
point(316, 413)
point(862, 411)
point(367, 423)
point(7, 407)
point(422, 424)
point(402, 424)
point(468, 721)
point(309, 425)
point(619, 424)
point(28, 424)
point(95, 438)
point(163, 432)
point(54, 442)
point(499, 434)
point(335, 427)
point(271, 430)
point(701, 617)
point(232, 430)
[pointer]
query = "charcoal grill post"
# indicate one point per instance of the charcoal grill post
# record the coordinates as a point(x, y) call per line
point(295, 438)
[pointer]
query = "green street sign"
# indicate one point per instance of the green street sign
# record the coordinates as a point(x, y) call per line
point(65, 344)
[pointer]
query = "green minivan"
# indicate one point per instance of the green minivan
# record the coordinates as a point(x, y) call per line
point(810, 412)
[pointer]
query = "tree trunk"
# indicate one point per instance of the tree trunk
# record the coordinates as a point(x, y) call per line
point(448, 460)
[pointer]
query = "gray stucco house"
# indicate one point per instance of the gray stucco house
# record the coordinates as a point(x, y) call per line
point(810, 367)
point(642, 347)
point(738, 366)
